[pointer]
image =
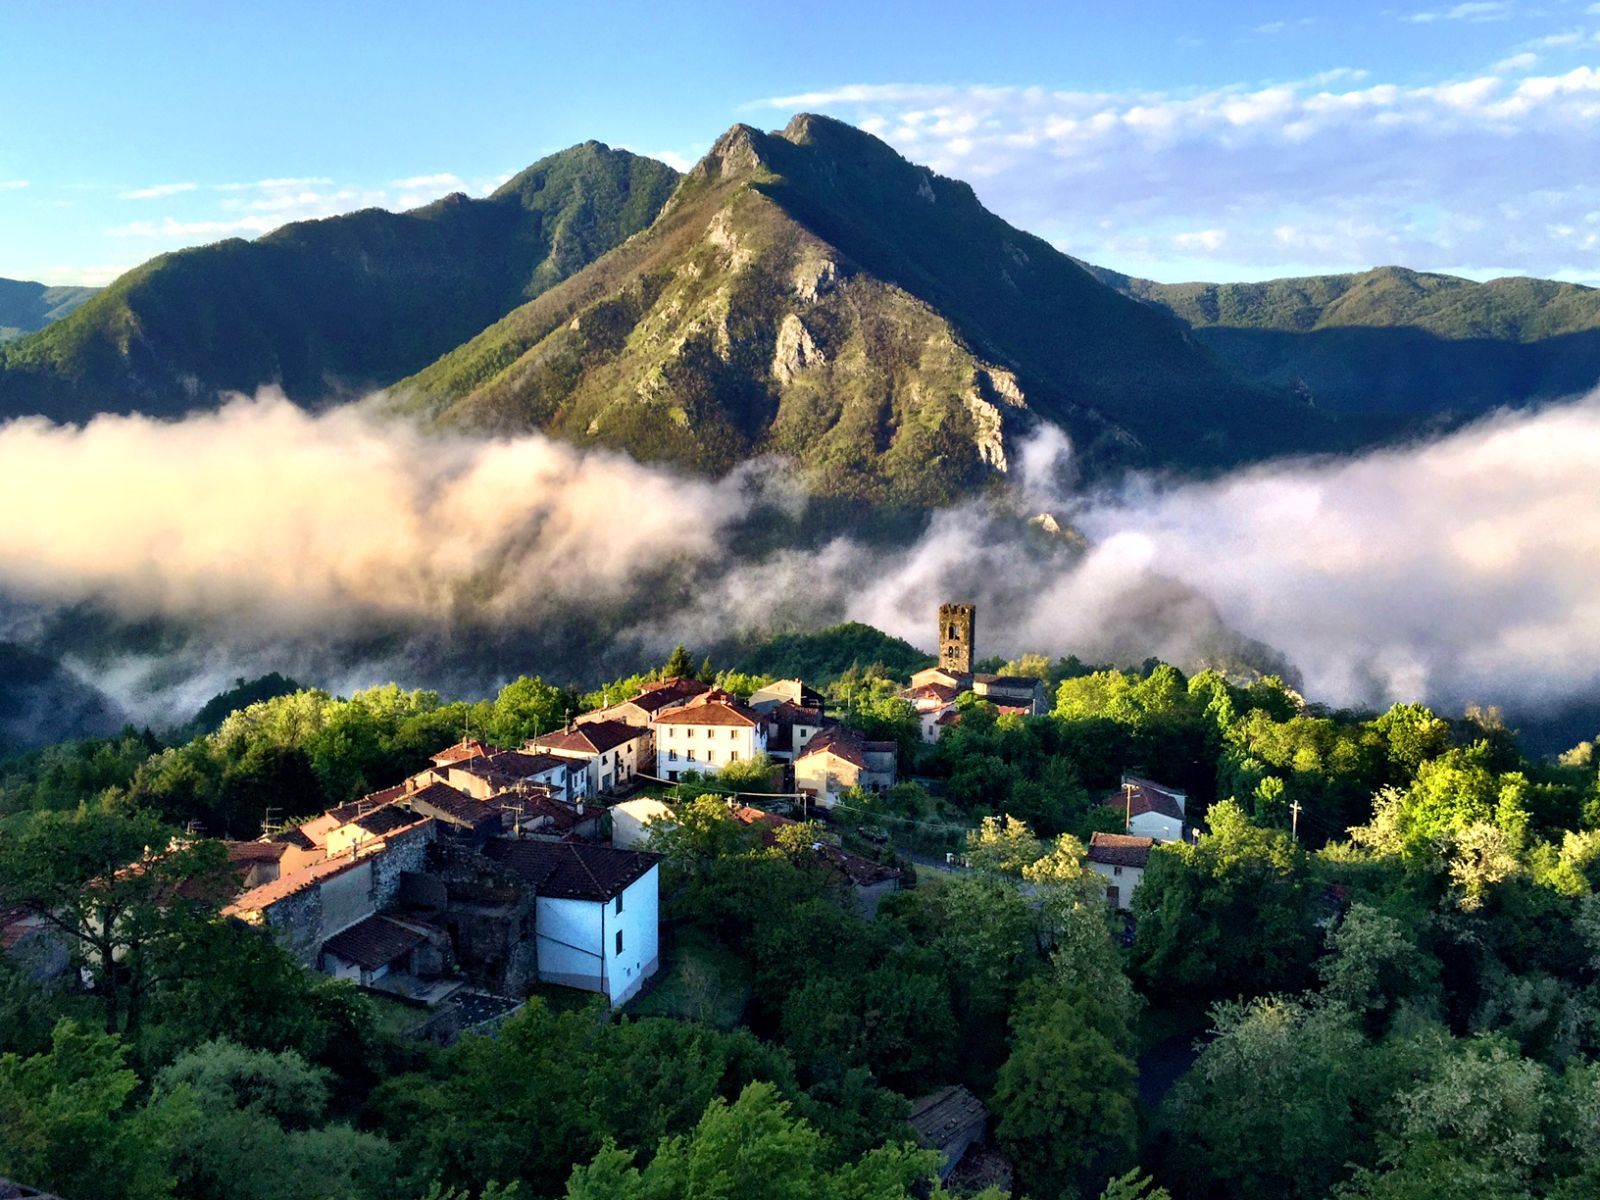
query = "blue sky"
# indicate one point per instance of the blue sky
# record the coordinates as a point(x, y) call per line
point(1233, 140)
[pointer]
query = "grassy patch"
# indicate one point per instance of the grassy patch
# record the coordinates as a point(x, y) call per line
point(700, 980)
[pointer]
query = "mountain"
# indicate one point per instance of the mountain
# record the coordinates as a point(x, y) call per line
point(328, 309)
point(812, 294)
point(1390, 345)
point(27, 307)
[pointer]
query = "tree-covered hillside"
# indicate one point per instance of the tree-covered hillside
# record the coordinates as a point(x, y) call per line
point(1369, 973)
point(1392, 345)
point(812, 294)
point(328, 309)
point(26, 307)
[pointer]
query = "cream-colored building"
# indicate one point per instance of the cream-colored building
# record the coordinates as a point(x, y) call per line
point(612, 752)
point(839, 759)
point(706, 735)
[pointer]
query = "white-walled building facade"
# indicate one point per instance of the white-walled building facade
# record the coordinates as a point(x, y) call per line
point(597, 913)
point(612, 752)
point(1150, 809)
point(706, 735)
point(1121, 859)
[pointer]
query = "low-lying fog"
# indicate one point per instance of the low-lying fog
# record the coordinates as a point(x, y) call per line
point(346, 550)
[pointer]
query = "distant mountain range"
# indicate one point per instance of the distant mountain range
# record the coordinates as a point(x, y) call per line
point(28, 307)
point(1391, 346)
point(808, 293)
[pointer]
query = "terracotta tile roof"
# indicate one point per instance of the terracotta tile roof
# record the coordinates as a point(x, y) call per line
point(295, 837)
point(712, 708)
point(268, 894)
point(846, 743)
point(943, 1119)
point(933, 692)
point(385, 820)
point(1009, 682)
point(1144, 800)
point(442, 800)
point(949, 717)
point(572, 870)
point(373, 943)
point(247, 852)
point(511, 764)
point(1120, 849)
point(594, 737)
point(469, 748)
point(770, 822)
point(371, 802)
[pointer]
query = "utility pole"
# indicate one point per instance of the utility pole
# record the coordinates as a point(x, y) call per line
point(1127, 816)
point(1294, 820)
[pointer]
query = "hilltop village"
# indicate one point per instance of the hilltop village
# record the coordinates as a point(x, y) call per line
point(495, 869)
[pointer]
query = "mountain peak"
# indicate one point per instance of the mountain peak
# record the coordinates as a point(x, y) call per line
point(741, 149)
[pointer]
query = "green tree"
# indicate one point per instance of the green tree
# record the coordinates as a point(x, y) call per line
point(259, 1133)
point(526, 707)
point(1230, 914)
point(122, 888)
point(1064, 1098)
point(678, 664)
point(1373, 965)
point(1278, 1103)
point(69, 1121)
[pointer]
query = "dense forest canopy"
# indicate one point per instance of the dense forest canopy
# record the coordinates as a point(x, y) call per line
point(1374, 972)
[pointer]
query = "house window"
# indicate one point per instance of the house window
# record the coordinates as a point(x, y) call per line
point(672, 777)
point(690, 753)
point(619, 941)
point(618, 909)
point(1116, 870)
point(733, 756)
point(689, 732)
point(672, 756)
point(711, 756)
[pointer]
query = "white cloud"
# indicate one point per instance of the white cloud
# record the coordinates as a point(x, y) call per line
point(1462, 175)
point(1477, 11)
point(1272, 28)
point(172, 229)
point(267, 184)
point(1517, 62)
point(443, 182)
point(12, 185)
point(157, 191)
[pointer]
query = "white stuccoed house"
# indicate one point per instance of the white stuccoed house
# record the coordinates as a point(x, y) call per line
point(596, 914)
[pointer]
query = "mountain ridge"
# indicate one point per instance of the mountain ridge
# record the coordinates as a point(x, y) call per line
point(811, 293)
point(329, 308)
point(1392, 344)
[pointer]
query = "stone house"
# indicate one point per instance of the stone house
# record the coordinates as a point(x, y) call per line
point(307, 908)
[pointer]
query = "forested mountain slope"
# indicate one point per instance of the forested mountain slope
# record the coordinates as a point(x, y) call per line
point(327, 309)
point(1391, 345)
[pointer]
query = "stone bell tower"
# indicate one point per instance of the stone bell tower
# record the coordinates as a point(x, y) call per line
point(957, 635)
